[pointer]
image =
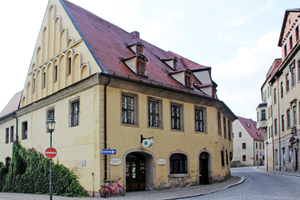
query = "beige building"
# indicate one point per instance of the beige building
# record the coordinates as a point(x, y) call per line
point(109, 89)
point(248, 145)
point(265, 114)
point(283, 102)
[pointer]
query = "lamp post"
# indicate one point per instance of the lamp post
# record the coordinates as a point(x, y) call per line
point(50, 125)
point(267, 143)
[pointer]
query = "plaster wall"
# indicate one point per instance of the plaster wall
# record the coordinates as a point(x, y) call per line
point(238, 152)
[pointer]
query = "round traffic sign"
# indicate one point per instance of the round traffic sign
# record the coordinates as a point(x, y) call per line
point(50, 152)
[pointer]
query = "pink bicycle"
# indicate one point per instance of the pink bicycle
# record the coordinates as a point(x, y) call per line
point(107, 190)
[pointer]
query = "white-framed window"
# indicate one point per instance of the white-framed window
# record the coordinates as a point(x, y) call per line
point(200, 119)
point(129, 112)
point(176, 117)
point(154, 112)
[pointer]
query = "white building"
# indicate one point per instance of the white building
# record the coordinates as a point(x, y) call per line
point(248, 146)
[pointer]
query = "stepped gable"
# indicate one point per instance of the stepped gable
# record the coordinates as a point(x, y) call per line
point(111, 45)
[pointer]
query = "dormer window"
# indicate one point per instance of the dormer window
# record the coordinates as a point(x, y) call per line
point(139, 49)
point(258, 134)
point(249, 125)
point(187, 78)
point(141, 65)
point(175, 64)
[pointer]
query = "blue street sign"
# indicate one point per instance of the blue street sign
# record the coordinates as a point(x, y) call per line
point(260, 154)
point(109, 151)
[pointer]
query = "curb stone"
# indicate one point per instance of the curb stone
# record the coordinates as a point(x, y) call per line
point(242, 179)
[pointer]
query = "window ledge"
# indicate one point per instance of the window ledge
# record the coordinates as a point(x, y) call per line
point(178, 175)
point(130, 125)
point(156, 127)
point(201, 132)
point(177, 130)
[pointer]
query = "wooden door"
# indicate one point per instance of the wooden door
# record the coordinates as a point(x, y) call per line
point(203, 169)
point(135, 173)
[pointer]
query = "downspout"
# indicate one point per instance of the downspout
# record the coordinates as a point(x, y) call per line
point(278, 123)
point(105, 126)
point(14, 115)
point(254, 160)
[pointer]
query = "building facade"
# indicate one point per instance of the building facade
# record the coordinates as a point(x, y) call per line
point(248, 143)
point(282, 127)
point(109, 89)
point(265, 114)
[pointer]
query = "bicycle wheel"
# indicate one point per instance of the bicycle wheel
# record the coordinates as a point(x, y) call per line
point(122, 191)
point(105, 192)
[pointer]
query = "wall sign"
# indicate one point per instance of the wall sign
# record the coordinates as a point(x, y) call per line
point(161, 161)
point(115, 161)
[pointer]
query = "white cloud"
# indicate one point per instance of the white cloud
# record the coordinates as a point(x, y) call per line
point(240, 78)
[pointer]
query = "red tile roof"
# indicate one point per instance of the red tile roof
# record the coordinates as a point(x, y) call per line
point(250, 126)
point(274, 67)
point(12, 105)
point(110, 45)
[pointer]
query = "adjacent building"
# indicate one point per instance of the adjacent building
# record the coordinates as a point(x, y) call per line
point(109, 89)
point(248, 143)
point(281, 100)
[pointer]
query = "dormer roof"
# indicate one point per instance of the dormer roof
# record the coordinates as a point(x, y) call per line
point(110, 43)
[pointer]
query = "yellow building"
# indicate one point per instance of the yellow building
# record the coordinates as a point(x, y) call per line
point(109, 89)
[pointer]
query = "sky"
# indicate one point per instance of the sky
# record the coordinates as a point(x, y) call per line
point(237, 39)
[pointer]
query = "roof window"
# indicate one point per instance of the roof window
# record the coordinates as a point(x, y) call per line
point(188, 78)
point(139, 48)
point(249, 125)
point(141, 68)
point(259, 134)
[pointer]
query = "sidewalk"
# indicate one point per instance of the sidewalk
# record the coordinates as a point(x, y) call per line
point(263, 169)
point(167, 194)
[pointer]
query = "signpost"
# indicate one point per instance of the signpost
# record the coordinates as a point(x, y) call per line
point(109, 152)
point(50, 152)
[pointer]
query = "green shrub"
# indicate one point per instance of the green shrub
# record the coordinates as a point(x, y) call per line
point(29, 172)
point(3, 174)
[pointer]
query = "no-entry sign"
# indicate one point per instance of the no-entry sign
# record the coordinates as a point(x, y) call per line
point(50, 152)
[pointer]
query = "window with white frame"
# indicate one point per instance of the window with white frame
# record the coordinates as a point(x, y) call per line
point(200, 119)
point(176, 116)
point(154, 112)
point(129, 109)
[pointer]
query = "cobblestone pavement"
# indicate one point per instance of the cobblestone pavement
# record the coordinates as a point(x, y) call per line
point(259, 184)
point(144, 195)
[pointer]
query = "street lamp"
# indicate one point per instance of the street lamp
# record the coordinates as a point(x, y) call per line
point(50, 125)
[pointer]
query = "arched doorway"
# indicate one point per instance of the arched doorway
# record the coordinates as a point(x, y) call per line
point(204, 168)
point(135, 172)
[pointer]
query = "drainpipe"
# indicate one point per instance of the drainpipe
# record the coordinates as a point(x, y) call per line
point(14, 115)
point(254, 161)
point(278, 123)
point(105, 126)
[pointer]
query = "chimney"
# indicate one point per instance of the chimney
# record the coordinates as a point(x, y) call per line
point(135, 34)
